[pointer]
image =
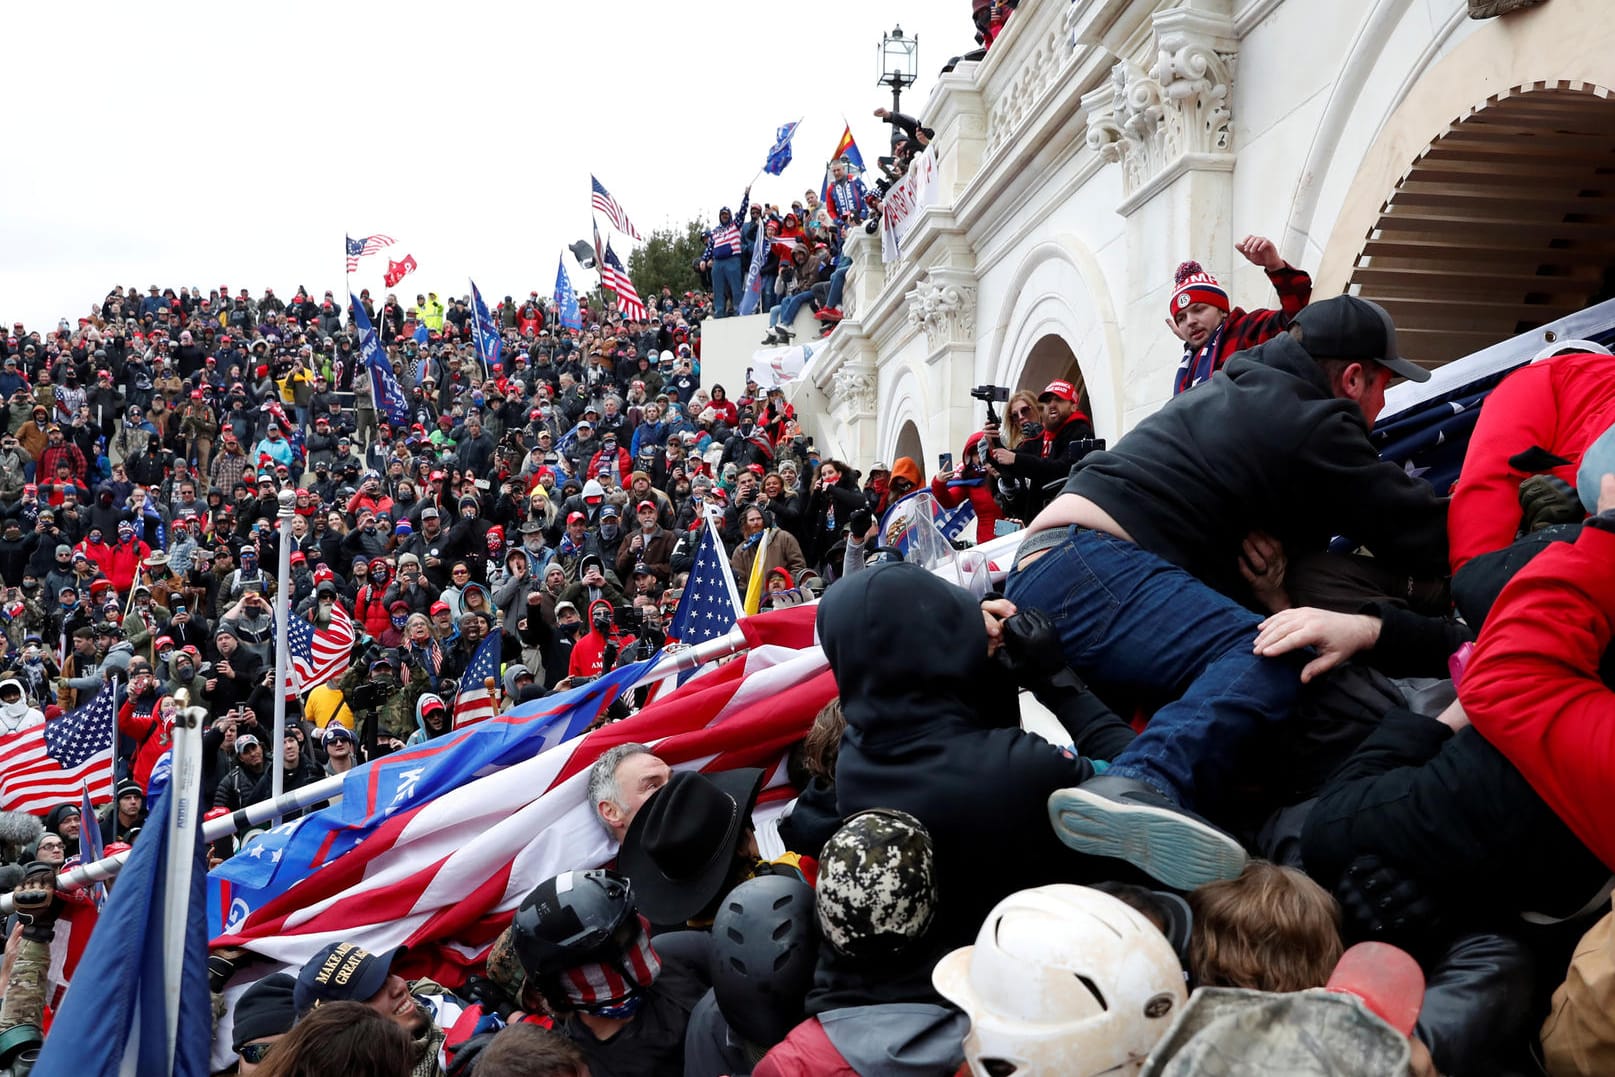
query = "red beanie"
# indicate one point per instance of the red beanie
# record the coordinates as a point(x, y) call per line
point(1195, 285)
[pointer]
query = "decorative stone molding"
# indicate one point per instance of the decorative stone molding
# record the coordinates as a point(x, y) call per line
point(944, 308)
point(1038, 63)
point(1176, 114)
point(854, 389)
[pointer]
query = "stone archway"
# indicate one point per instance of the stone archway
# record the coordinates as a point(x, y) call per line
point(1051, 358)
point(909, 444)
point(1502, 224)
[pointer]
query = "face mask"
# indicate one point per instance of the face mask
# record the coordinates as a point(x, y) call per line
point(399, 622)
point(608, 531)
point(185, 673)
point(96, 539)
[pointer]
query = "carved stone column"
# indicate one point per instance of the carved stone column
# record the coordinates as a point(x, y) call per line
point(1173, 116)
point(942, 304)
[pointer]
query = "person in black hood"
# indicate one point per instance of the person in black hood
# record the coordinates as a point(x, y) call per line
point(933, 730)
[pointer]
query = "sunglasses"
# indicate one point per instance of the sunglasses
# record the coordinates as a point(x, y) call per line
point(254, 1052)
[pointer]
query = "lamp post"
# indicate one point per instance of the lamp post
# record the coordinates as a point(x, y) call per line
point(899, 61)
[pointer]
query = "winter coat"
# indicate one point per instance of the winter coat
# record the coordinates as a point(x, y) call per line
point(930, 717)
point(1243, 329)
point(1532, 686)
point(153, 737)
point(1266, 446)
point(1451, 813)
point(1539, 420)
point(974, 487)
point(588, 654)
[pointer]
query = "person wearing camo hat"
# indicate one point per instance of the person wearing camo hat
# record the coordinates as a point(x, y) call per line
point(872, 1008)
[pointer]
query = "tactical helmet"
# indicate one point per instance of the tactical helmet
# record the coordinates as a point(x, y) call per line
point(877, 889)
point(765, 944)
point(576, 917)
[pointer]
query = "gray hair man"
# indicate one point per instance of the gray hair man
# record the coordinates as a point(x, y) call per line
point(620, 781)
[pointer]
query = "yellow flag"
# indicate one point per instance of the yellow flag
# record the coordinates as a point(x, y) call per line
point(754, 586)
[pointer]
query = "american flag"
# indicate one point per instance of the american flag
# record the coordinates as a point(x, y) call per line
point(412, 857)
point(318, 655)
point(358, 248)
point(710, 604)
point(475, 702)
point(608, 205)
point(50, 764)
point(615, 277)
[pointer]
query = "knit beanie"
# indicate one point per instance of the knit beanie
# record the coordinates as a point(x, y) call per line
point(1195, 285)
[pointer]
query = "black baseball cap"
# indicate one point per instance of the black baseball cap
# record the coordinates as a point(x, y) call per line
point(1350, 327)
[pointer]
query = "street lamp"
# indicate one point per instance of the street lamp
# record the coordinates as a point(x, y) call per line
point(899, 62)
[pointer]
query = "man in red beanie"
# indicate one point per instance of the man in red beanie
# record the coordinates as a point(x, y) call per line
point(1198, 312)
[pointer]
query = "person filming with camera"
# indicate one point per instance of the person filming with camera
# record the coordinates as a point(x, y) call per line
point(1068, 436)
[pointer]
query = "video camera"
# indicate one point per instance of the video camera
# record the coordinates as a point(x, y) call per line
point(990, 395)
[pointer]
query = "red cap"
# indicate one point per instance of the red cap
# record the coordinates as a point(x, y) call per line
point(576, 517)
point(196, 394)
point(439, 607)
point(643, 505)
point(299, 557)
point(437, 476)
point(1062, 389)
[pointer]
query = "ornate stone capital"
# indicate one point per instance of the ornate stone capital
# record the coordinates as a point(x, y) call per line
point(854, 389)
point(944, 307)
point(1173, 115)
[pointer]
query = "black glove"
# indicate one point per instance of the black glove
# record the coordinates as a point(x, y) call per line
point(489, 995)
point(36, 910)
point(1032, 649)
point(858, 522)
point(1380, 902)
point(1546, 500)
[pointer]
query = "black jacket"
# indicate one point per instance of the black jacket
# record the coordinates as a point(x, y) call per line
point(1263, 445)
point(933, 729)
point(1453, 815)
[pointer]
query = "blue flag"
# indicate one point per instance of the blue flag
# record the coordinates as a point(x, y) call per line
point(421, 334)
point(486, 332)
point(391, 403)
point(115, 1022)
point(566, 299)
point(375, 792)
point(752, 294)
point(780, 155)
point(90, 847)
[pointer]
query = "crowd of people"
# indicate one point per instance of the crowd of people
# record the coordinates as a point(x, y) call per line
point(1305, 702)
point(1276, 748)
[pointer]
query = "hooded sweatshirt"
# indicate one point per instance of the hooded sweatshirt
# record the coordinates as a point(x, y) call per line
point(933, 729)
point(18, 716)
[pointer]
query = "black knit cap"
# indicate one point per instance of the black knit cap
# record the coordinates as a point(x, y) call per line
point(264, 1009)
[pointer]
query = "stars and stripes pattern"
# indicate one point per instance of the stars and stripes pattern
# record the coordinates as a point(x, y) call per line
point(50, 764)
point(615, 277)
point(367, 245)
point(710, 604)
point(602, 201)
point(320, 654)
point(475, 701)
point(442, 872)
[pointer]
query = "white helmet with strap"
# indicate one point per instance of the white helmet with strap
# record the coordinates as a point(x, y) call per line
point(1063, 980)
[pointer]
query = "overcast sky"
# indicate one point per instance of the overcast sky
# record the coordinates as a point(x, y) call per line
point(207, 144)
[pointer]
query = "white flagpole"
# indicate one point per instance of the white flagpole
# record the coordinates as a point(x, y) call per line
point(283, 650)
point(184, 814)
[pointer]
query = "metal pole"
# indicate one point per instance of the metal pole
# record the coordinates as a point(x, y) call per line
point(184, 814)
point(283, 658)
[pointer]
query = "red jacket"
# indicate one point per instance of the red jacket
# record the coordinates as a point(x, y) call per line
point(988, 511)
point(126, 561)
point(154, 735)
point(588, 653)
point(370, 611)
point(99, 553)
point(1560, 405)
point(1532, 687)
point(805, 1052)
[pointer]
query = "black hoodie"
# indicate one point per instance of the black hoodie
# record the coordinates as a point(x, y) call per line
point(1263, 445)
point(933, 730)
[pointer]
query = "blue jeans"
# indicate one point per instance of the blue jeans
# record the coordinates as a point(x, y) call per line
point(838, 281)
point(785, 313)
point(726, 282)
point(1130, 619)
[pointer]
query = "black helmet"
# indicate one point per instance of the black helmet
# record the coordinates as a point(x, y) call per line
point(765, 942)
point(573, 919)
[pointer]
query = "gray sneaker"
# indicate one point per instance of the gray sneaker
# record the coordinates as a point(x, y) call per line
point(1129, 820)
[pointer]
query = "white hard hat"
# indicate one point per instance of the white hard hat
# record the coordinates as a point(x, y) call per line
point(1063, 980)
